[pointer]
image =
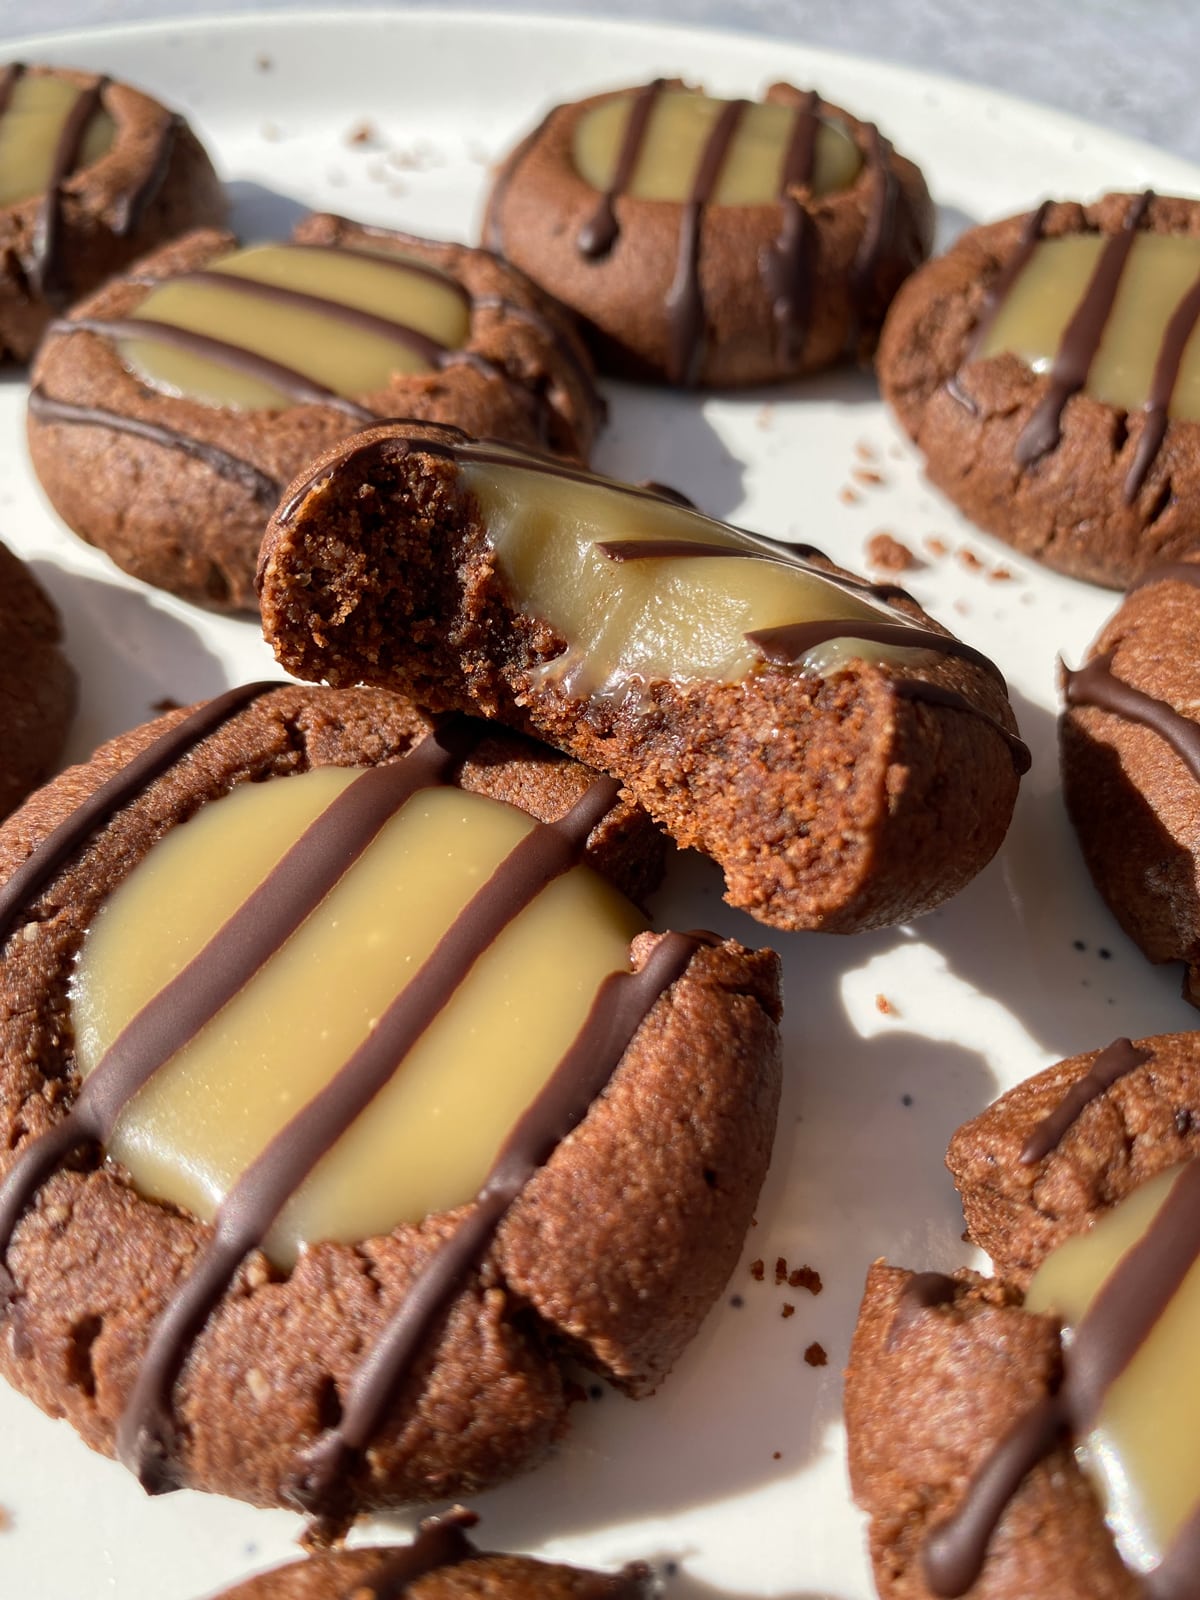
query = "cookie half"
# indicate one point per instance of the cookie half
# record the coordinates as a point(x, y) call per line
point(92, 175)
point(170, 410)
point(1045, 368)
point(181, 1279)
point(37, 684)
point(713, 242)
point(1130, 747)
point(441, 1563)
point(845, 760)
point(997, 1454)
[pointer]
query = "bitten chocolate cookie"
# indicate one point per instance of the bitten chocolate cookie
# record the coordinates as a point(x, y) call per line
point(215, 1265)
point(169, 411)
point(92, 175)
point(845, 760)
point(1130, 746)
point(1034, 1435)
point(37, 685)
point(440, 1564)
point(1045, 368)
point(713, 242)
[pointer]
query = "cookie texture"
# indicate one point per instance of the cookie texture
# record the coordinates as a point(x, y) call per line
point(178, 492)
point(440, 1564)
point(1093, 489)
point(714, 294)
point(1130, 750)
point(37, 684)
point(612, 1250)
point(152, 183)
point(838, 801)
point(944, 1370)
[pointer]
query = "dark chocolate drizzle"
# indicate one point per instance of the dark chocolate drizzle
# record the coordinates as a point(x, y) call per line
point(685, 301)
point(266, 490)
point(46, 265)
point(134, 205)
point(1095, 685)
point(440, 1542)
point(599, 233)
point(1113, 1062)
point(1162, 383)
point(787, 264)
point(877, 234)
point(9, 78)
point(785, 645)
point(1080, 340)
point(288, 380)
point(621, 1005)
point(145, 1434)
point(1116, 1325)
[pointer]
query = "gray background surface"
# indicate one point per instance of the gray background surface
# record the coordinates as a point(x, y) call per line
point(1129, 66)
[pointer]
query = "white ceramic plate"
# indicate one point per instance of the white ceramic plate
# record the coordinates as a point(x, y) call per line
point(733, 1476)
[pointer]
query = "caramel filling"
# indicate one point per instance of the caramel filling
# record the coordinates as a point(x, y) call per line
point(344, 321)
point(1033, 317)
point(677, 135)
point(431, 1134)
point(1144, 1450)
point(31, 129)
point(662, 616)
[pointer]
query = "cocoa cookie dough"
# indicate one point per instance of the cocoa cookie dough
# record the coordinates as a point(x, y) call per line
point(92, 175)
point(1045, 367)
point(713, 242)
point(37, 685)
point(249, 1307)
point(845, 760)
point(169, 411)
point(988, 1447)
point(441, 1563)
point(1130, 746)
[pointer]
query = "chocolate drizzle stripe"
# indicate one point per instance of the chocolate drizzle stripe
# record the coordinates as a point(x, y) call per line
point(787, 264)
point(935, 694)
point(785, 645)
point(9, 78)
point(440, 1542)
point(266, 490)
point(922, 1292)
point(137, 202)
point(1162, 384)
point(429, 349)
point(1167, 572)
point(1113, 1062)
point(46, 262)
point(251, 1206)
point(1116, 1326)
point(622, 1004)
point(1095, 685)
point(685, 299)
point(599, 233)
point(53, 853)
point(288, 380)
point(1080, 340)
point(880, 226)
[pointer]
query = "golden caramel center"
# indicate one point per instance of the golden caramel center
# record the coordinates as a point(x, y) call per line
point(428, 1139)
point(1159, 271)
point(345, 320)
point(1144, 1453)
point(642, 620)
point(680, 127)
point(30, 130)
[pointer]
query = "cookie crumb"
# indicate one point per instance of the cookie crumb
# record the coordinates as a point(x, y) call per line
point(263, 63)
point(865, 450)
point(969, 559)
point(883, 1005)
point(167, 703)
point(789, 1310)
point(806, 1278)
point(765, 417)
point(849, 496)
point(776, 1455)
point(781, 1269)
point(999, 575)
point(887, 553)
point(6, 1520)
point(756, 1270)
point(936, 546)
point(270, 132)
point(362, 133)
point(867, 476)
point(815, 1355)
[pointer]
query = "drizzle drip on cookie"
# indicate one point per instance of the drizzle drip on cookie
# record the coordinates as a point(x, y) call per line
point(1112, 1064)
point(1097, 685)
point(1112, 317)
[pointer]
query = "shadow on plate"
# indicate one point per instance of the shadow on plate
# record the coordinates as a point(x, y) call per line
point(256, 212)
